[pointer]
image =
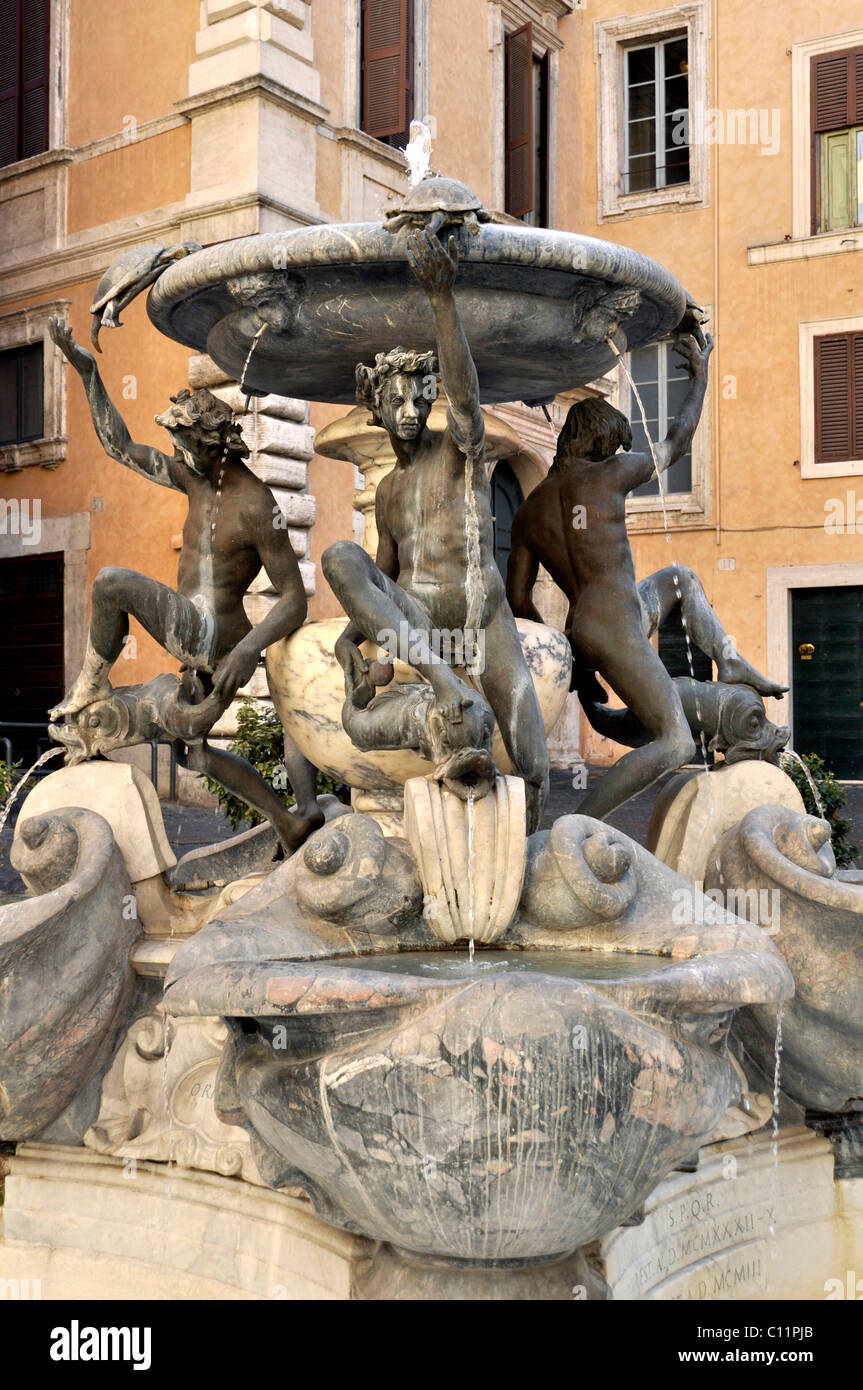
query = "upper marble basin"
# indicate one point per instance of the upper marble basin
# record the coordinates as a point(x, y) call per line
point(537, 306)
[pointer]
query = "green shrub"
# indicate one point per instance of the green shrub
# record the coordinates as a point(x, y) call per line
point(259, 740)
point(832, 799)
point(9, 777)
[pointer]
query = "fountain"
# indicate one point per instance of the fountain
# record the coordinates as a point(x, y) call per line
point(474, 1045)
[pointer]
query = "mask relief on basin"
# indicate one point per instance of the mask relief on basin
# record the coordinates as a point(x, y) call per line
point(471, 891)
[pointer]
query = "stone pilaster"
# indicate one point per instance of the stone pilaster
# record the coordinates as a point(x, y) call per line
point(254, 93)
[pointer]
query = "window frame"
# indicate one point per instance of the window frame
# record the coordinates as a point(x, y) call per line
point(660, 113)
point(23, 329)
point(505, 19)
point(818, 139)
point(540, 128)
point(808, 332)
point(662, 382)
point(612, 40)
point(684, 509)
point(803, 150)
point(419, 20)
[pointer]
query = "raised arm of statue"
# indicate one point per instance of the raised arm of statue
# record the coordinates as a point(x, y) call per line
point(639, 467)
point(435, 268)
point(107, 422)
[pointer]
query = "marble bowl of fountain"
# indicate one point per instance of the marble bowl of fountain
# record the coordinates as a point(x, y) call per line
point(783, 859)
point(489, 1110)
point(538, 306)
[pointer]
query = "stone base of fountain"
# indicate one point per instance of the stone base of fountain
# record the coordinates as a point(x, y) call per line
point(76, 1223)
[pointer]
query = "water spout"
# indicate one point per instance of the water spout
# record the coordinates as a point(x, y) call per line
point(418, 152)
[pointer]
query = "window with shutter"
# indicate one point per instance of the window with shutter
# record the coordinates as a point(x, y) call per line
point(21, 394)
point(838, 397)
point(520, 135)
point(387, 70)
point(24, 96)
point(837, 140)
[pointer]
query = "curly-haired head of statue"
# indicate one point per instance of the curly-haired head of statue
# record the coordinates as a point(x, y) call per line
point(202, 427)
point(593, 430)
point(399, 390)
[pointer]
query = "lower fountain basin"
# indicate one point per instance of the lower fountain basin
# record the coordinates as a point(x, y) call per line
point(512, 1108)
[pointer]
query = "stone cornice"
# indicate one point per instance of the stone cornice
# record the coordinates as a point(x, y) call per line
point(352, 135)
point(249, 86)
point(52, 268)
point(518, 12)
point(48, 159)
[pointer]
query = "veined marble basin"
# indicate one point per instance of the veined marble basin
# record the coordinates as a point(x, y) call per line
point(308, 690)
point(505, 1110)
point(537, 306)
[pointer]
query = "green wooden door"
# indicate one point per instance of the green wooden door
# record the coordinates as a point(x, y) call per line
point(827, 676)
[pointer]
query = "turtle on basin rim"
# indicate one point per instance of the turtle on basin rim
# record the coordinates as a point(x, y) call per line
point(124, 280)
point(437, 202)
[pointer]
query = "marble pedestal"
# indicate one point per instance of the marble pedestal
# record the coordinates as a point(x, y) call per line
point(79, 1225)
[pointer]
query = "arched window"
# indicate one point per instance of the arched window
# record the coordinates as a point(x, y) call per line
point(506, 498)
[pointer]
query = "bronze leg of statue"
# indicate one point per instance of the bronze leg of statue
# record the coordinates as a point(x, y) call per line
point(679, 587)
point(625, 658)
point(377, 605)
point(177, 624)
point(244, 781)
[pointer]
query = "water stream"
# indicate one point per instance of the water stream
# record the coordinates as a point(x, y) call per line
point(417, 152)
point(777, 1087)
point(19, 786)
point(470, 875)
point(474, 586)
point(166, 1094)
point(816, 795)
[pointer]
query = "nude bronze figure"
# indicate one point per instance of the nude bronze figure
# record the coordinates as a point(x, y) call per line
point(574, 523)
point(435, 562)
point(230, 534)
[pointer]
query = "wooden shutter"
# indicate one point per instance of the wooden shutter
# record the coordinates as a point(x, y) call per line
point(34, 30)
point(8, 398)
point(838, 397)
point(30, 392)
point(836, 85)
point(386, 67)
point(25, 27)
point(519, 121)
point(837, 90)
point(8, 81)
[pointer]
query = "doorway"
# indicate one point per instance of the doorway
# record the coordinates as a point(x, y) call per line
point(31, 649)
point(827, 676)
